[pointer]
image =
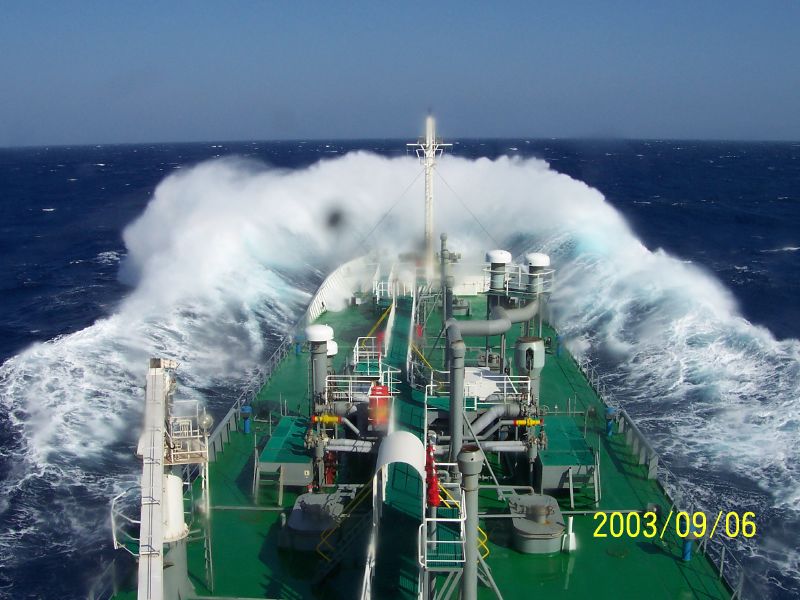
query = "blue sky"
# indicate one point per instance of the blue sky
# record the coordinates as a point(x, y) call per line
point(101, 72)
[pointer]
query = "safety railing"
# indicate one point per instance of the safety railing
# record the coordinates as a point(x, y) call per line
point(355, 388)
point(390, 377)
point(432, 551)
point(449, 501)
point(186, 441)
point(729, 568)
point(123, 526)
point(469, 286)
point(349, 388)
point(261, 376)
point(507, 390)
point(367, 356)
point(518, 281)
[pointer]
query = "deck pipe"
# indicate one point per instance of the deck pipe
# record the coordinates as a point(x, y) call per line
point(347, 445)
point(470, 464)
point(319, 367)
point(498, 411)
point(500, 322)
point(446, 280)
point(537, 265)
point(447, 283)
point(343, 409)
point(457, 352)
point(498, 260)
point(340, 408)
point(504, 446)
point(349, 424)
point(319, 462)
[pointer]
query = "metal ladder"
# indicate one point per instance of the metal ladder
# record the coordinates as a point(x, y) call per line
point(450, 502)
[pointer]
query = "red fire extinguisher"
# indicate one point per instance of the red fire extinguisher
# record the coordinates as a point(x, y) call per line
point(431, 480)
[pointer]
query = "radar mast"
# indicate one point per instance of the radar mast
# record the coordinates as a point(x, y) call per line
point(428, 149)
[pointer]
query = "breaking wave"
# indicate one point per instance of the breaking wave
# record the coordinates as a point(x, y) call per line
point(227, 253)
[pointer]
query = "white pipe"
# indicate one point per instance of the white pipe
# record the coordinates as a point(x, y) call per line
point(503, 446)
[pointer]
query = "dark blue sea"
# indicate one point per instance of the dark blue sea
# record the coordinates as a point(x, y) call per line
point(678, 265)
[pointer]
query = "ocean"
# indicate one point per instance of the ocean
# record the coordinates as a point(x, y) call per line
point(678, 270)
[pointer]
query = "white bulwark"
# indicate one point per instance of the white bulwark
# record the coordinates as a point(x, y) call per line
point(151, 449)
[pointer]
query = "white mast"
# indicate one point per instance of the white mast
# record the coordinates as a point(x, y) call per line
point(427, 151)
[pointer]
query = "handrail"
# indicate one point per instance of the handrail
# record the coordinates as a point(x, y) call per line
point(517, 280)
point(734, 577)
point(483, 537)
point(117, 529)
point(262, 375)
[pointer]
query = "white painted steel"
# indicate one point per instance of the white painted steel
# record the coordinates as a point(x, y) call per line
point(151, 447)
point(498, 257)
point(427, 150)
point(319, 333)
point(333, 348)
point(404, 447)
point(174, 526)
point(537, 259)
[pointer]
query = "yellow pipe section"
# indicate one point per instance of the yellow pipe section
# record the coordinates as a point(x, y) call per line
point(327, 419)
point(377, 324)
point(417, 350)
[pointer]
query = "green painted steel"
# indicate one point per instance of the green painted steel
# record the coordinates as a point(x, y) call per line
point(565, 443)
point(248, 562)
point(286, 445)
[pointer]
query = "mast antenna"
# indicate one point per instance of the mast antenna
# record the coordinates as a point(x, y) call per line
point(428, 149)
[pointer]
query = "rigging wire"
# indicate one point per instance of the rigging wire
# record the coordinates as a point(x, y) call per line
point(464, 204)
point(391, 208)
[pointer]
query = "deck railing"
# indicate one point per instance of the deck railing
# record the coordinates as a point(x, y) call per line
point(519, 282)
point(729, 568)
point(509, 389)
point(317, 306)
point(122, 525)
point(433, 552)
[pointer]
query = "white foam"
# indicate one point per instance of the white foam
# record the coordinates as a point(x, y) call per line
point(211, 261)
point(784, 249)
point(109, 257)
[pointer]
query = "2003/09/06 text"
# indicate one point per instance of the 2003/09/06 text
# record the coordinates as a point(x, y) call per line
point(634, 524)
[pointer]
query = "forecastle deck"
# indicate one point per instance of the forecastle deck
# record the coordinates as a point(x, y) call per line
point(245, 525)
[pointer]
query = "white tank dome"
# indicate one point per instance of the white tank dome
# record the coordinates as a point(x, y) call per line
point(319, 333)
point(498, 257)
point(333, 348)
point(537, 259)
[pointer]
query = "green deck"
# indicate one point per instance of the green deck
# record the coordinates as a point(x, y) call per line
point(566, 444)
point(248, 563)
point(286, 442)
point(601, 567)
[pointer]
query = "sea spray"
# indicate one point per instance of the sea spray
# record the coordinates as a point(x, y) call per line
point(227, 253)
